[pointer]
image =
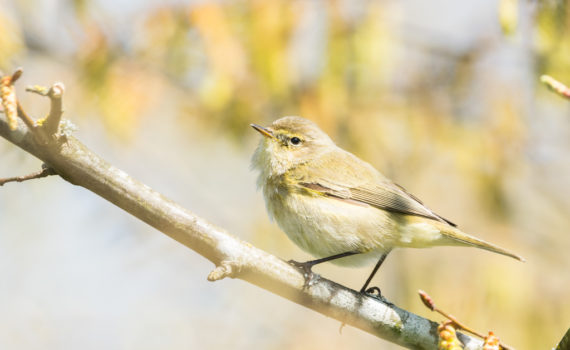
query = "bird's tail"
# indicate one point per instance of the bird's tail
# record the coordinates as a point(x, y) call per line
point(465, 239)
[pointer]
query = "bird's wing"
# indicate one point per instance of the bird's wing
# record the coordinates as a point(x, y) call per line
point(357, 182)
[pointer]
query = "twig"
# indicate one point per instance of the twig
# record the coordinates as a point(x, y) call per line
point(428, 302)
point(12, 107)
point(50, 123)
point(36, 131)
point(45, 172)
point(25, 117)
point(556, 86)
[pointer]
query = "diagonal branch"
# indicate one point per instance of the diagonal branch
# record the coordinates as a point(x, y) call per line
point(233, 257)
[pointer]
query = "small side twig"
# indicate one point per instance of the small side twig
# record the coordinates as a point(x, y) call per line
point(556, 86)
point(428, 302)
point(44, 128)
point(51, 122)
point(45, 172)
point(25, 117)
point(38, 132)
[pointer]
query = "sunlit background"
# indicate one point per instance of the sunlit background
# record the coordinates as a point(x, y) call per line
point(442, 96)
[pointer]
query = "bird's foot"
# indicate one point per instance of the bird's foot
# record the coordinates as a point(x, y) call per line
point(306, 269)
point(376, 293)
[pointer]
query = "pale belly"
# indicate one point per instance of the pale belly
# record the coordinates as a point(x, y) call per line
point(324, 226)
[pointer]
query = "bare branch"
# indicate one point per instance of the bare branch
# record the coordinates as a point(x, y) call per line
point(231, 256)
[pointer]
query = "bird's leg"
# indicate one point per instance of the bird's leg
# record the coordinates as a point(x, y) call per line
point(374, 290)
point(306, 267)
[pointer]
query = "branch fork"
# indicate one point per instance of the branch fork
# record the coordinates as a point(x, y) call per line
point(55, 93)
point(45, 129)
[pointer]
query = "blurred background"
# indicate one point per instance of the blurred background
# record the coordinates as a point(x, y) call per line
point(441, 96)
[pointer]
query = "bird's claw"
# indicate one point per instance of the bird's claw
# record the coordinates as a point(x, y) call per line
point(375, 293)
point(306, 269)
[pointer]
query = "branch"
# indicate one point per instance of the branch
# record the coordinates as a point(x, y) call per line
point(233, 257)
point(555, 86)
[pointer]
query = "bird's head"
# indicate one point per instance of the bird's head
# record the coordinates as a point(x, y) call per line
point(287, 143)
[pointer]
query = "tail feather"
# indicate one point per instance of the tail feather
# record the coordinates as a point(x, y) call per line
point(469, 240)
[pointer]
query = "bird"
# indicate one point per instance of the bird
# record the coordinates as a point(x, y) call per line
point(339, 208)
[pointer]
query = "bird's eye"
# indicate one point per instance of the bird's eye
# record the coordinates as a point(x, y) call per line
point(295, 141)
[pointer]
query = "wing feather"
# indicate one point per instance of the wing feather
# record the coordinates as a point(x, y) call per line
point(347, 183)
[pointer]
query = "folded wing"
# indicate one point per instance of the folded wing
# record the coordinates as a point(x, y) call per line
point(358, 182)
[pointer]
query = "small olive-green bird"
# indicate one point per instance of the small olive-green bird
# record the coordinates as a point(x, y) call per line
point(336, 206)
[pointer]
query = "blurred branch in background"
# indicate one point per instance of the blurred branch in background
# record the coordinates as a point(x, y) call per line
point(232, 257)
point(447, 328)
point(556, 86)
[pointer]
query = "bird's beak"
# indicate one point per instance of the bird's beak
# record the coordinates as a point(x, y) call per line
point(263, 131)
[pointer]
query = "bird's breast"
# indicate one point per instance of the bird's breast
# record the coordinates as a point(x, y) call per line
point(325, 226)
